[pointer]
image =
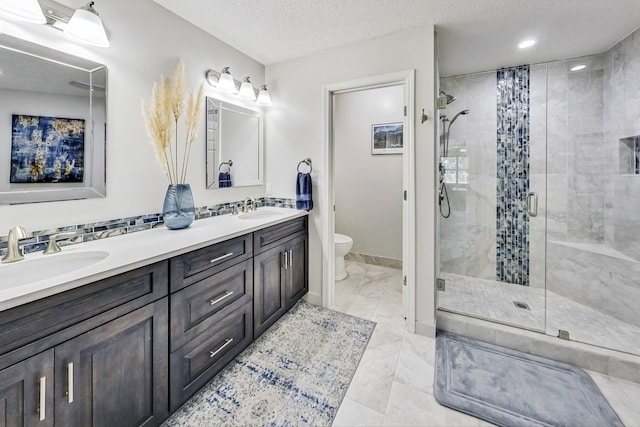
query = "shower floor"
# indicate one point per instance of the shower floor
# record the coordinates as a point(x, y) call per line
point(497, 301)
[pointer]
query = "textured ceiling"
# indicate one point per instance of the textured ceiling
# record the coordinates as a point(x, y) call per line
point(473, 35)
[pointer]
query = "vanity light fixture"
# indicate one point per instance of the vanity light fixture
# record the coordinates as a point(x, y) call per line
point(224, 81)
point(24, 10)
point(246, 90)
point(85, 25)
point(263, 96)
point(526, 43)
point(578, 67)
point(82, 24)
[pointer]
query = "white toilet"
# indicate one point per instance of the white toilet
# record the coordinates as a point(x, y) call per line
point(342, 245)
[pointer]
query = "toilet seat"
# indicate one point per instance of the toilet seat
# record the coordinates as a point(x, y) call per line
point(341, 239)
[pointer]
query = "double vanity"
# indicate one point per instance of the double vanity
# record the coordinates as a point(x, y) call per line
point(122, 331)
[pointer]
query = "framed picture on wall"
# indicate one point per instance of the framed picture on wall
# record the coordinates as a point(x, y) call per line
point(386, 138)
point(46, 149)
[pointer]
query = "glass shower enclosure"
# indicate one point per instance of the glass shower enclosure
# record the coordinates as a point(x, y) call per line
point(542, 178)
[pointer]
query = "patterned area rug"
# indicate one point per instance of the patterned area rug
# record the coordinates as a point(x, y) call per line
point(515, 389)
point(295, 374)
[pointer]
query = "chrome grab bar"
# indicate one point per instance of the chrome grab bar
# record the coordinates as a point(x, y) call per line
point(532, 204)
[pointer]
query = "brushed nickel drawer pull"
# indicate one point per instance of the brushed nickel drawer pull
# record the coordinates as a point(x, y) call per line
point(290, 257)
point(286, 259)
point(70, 382)
point(228, 341)
point(221, 257)
point(217, 300)
point(43, 398)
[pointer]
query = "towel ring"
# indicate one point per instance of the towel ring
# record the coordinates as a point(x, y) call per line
point(229, 164)
point(307, 162)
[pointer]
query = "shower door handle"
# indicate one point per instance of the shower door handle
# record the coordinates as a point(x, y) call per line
point(532, 204)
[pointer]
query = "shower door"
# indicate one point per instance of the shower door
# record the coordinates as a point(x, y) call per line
point(492, 244)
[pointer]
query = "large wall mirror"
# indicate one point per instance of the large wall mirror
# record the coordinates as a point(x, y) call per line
point(234, 145)
point(52, 124)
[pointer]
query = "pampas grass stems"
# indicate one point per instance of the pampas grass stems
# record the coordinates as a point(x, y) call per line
point(162, 118)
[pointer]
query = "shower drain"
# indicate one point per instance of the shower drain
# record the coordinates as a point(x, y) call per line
point(522, 305)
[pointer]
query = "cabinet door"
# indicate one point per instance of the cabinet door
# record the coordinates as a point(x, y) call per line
point(26, 392)
point(116, 374)
point(297, 278)
point(268, 288)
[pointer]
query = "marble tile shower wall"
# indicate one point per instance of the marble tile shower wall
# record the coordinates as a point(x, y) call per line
point(468, 236)
point(80, 233)
point(622, 120)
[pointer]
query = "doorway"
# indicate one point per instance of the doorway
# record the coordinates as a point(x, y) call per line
point(405, 81)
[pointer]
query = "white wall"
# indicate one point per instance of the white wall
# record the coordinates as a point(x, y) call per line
point(146, 41)
point(295, 129)
point(368, 188)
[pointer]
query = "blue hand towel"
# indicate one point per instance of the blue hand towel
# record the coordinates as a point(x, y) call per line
point(304, 201)
point(224, 179)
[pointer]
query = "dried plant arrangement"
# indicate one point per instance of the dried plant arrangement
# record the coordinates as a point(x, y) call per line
point(162, 119)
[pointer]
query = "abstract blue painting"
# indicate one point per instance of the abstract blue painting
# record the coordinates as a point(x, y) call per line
point(47, 149)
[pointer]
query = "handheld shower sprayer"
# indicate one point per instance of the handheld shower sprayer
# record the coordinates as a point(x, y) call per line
point(443, 196)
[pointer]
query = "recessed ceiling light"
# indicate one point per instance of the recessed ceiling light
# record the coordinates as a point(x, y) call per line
point(463, 150)
point(526, 43)
point(578, 67)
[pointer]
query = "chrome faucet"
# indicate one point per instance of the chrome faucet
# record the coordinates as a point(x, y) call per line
point(252, 207)
point(14, 253)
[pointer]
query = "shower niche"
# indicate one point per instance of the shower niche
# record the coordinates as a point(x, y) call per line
point(629, 156)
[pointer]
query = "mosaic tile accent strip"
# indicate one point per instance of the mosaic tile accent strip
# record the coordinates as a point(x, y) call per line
point(80, 233)
point(512, 181)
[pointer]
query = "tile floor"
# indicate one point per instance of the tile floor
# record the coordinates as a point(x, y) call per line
point(393, 383)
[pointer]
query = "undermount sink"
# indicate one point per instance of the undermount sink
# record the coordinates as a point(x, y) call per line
point(261, 214)
point(46, 266)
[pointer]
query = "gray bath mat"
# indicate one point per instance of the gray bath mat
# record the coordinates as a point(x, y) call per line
point(511, 388)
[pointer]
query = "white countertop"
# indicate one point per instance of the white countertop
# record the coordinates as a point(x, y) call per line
point(125, 253)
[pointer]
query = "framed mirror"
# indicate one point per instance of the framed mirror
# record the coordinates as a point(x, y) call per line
point(234, 145)
point(52, 124)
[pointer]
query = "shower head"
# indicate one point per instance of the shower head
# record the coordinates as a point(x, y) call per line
point(450, 98)
point(463, 112)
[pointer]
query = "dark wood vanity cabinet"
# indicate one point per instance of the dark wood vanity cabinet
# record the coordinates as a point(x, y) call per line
point(96, 355)
point(280, 271)
point(130, 349)
point(26, 392)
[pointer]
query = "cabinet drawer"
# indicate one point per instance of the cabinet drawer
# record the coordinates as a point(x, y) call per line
point(41, 319)
point(263, 239)
point(199, 307)
point(194, 364)
point(194, 266)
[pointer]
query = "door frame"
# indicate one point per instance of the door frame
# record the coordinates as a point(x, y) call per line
point(407, 80)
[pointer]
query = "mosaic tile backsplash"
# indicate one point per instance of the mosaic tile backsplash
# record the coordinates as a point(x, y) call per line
point(80, 233)
point(512, 180)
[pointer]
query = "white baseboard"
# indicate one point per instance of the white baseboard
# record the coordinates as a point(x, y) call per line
point(311, 298)
point(425, 330)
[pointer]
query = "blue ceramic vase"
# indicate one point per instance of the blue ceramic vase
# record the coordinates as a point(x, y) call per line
point(178, 209)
